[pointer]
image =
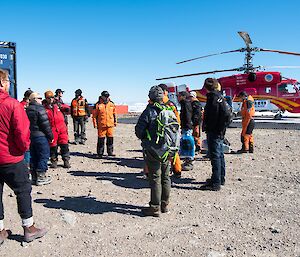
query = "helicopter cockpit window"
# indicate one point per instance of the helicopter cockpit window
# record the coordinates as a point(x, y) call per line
point(287, 89)
point(268, 90)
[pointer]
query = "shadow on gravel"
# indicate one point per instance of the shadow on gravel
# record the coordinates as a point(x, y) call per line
point(128, 162)
point(186, 183)
point(84, 204)
point(127, 180)
point(16, 237)
point(88, 155)
point(135, 150)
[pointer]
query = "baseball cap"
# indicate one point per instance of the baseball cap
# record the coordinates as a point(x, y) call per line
point(59, 91)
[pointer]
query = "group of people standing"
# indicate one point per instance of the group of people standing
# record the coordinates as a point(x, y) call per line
point(214, 120)
point(28, 139)
point(31, 132)
point(48, 131)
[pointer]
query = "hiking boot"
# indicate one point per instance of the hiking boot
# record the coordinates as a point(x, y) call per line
point(164, 207)
point(53, 164)
point(210, 187)
point(151, 211)
point(208, 181)
point(66, 164)
point(31, 233)
point(4, 234)
point(43, 179)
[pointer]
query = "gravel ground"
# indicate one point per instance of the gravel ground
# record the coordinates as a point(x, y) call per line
point(93, 209)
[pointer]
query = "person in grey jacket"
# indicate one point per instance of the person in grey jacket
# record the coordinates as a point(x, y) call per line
point(40, 136)
point(159, 170)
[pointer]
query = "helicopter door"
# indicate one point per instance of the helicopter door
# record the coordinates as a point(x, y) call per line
point(287, 90)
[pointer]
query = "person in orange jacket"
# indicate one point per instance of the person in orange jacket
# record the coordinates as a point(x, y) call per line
point(176, 163)
point(248, 124)
point(80, 113)
point(105, 119)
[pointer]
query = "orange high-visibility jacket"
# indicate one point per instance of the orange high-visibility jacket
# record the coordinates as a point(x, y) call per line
point(79, 107)
point(104, 115)
point(247, 110)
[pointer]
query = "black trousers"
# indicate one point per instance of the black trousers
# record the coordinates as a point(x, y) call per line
point(79, 128)
point(109, 145)
point(64, 151)
point(16, 177)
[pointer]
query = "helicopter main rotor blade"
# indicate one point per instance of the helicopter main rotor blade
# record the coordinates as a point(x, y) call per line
point(204, 56)
point(280, 67)
point(278, 51)
point(200, 73)
point(245, 36)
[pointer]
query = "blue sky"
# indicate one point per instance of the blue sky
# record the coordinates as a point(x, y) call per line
point(122, 46)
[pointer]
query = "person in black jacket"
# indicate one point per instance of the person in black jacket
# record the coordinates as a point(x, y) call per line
point(186, 111)
point(186, 124)
point(159, 170)
point(215, 121)
point(40, 135)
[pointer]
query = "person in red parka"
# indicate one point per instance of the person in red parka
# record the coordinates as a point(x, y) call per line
point(59, 130)
point(14, 142)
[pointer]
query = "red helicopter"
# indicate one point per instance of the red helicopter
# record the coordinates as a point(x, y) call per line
point(262, 85)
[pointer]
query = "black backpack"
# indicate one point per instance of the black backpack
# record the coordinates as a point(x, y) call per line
point(225, 113)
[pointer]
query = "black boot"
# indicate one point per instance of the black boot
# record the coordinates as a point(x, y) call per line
point(243, 149)
point(65, 155)
point(251, 147)
point(67, 164)
point(53, 157)
point(110, 146)
point(100, 146)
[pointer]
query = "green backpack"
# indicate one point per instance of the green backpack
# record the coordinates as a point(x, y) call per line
point(167, 141)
